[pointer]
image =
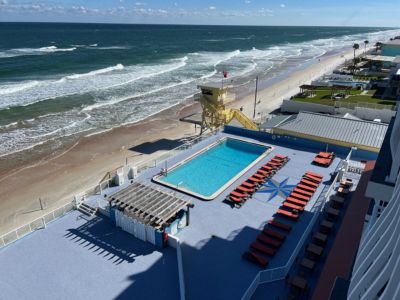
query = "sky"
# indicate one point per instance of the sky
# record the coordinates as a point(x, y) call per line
point(380, 13)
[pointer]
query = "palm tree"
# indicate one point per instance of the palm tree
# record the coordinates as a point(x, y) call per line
point(355, 47)
point(366, 42)
point(377, 46)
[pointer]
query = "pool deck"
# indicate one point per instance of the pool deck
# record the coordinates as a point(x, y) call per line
point(76, 258)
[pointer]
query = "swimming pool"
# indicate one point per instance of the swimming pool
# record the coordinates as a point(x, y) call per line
point(210, 171)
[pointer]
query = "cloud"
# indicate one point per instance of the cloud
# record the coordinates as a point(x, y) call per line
point(212, 8)
point(283, 5)
point(247, 1)
point(140, 4)
point(264, 12)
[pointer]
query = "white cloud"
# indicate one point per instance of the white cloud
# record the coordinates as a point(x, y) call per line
point(247, 1)
point(3, 2)
point(140, 4)
point(283, 5)
point(212, 8)
point(265, 12)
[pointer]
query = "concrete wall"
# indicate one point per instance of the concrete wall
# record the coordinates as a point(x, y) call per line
point(361, 112)
point(295, 107)
point(368, 113)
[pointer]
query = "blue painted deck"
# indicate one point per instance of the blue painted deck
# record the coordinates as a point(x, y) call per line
point(78, 259)
point(218, 235)
point(75, 258)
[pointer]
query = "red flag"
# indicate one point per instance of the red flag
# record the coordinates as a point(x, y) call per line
point(225, 74)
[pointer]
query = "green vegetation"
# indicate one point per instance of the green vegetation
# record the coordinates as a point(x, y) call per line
point(323, 96)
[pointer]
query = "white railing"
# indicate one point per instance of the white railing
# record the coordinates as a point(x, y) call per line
point(34, 225)
point(280, 273)
point(142, 166)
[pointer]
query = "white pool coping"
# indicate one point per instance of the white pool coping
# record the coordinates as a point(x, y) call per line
point(157, 178)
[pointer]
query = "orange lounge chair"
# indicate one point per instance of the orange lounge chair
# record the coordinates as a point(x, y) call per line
point(245, 189)
point(312, 178)
point(310, 183)
point(326, 154)
point(259, 176)
point(236, 200)
point(314, 174)
point(262, 248)
point(302, 192)
point(274, 164)
point(293, 206)
point(258, 180)
point(238, 194)
point(249, 185)
point(274, 234)
point(266, 173)
point(253, 257)
point(288, 214)
point(268, 241)
point(280, 225)
point(322, 161)
point(297, 201)
point(279, 156)
point(306, 188)
point(268, 168)
point(277, 161)
point(298, 196)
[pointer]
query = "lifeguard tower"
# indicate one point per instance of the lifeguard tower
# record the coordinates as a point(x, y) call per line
point(213, 98)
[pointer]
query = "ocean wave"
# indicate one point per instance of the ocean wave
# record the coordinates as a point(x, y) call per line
point(109, 47)
point(17, 87)
point(96, 72)
point(118, 100)
point(33, 51)
point(97, 80)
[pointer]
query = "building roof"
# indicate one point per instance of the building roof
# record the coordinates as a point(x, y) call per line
point(147, 204)
point(337, 130)
point(382, 58)
point(395, 42)
point(275, 121)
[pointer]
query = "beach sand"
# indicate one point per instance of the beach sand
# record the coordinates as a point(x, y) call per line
point(84, 165)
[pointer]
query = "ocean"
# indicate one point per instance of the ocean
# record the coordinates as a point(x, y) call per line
point(59, 82)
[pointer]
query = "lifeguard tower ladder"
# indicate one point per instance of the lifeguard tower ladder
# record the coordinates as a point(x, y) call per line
point(213, 99)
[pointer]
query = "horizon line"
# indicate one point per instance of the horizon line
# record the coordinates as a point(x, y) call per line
point(188, 24)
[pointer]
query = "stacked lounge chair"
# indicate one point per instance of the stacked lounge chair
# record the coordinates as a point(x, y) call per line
point(324, 159)
point(271, 238)
point(247, 188)
point(267, 243)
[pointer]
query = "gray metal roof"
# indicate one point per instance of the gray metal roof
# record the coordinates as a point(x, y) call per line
point(274, 121)
point(356, 132)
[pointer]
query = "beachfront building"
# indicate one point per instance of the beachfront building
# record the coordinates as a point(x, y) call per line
point(264, 212)
point(391, 48)
point(376, 271)
point(334, 130)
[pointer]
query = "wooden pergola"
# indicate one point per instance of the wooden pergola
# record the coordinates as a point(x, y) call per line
point(308, 90)
point(147, 204)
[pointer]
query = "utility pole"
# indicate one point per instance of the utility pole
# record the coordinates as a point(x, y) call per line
point(255, 99)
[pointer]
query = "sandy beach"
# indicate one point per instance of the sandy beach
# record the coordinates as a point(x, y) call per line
point(83, 166)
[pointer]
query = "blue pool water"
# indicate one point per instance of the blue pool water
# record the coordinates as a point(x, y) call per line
point(208, 172)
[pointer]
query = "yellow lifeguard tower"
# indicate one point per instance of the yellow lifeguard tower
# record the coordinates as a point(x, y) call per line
point(213, 98)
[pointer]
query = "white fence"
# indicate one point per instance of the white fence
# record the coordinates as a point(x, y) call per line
point(280, 273)
point(36, 224)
